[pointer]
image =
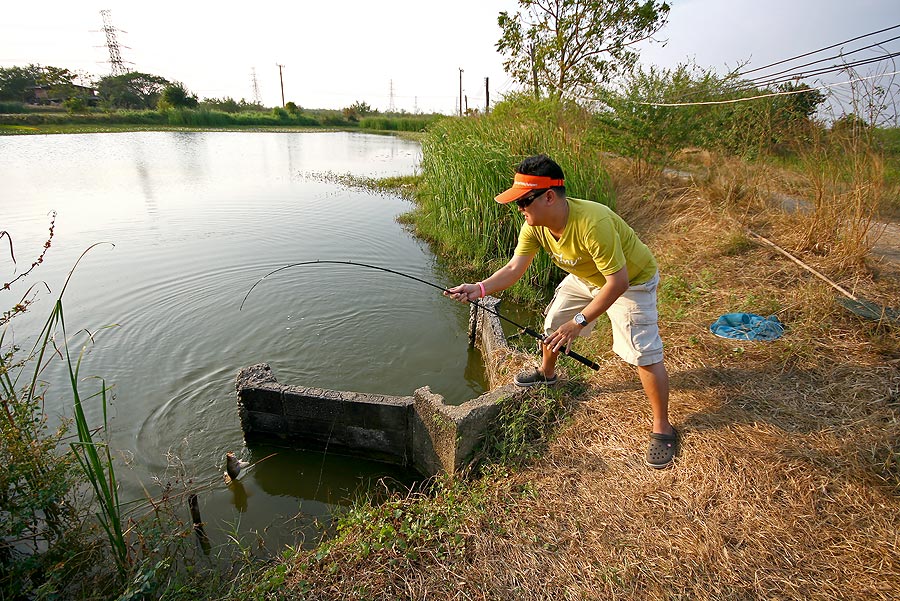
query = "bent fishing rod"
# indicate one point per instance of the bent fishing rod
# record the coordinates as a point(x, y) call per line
point(523, 329)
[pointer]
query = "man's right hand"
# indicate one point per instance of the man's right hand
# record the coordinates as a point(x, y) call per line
point(464, 293)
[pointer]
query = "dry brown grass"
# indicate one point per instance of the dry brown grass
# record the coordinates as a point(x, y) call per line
point(787, 485)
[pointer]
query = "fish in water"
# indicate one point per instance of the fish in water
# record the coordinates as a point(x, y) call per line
point(233, 467)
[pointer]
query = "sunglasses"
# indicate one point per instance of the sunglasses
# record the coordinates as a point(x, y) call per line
point(527, 200)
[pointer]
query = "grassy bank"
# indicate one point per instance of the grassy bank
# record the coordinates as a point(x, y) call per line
point(788, 481)
point(24, 122)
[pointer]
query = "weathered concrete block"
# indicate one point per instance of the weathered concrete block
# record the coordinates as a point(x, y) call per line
point(434, 437)
point(348, 423)
point(314, 403)
point(264, 424)
point(445, 436)
point(418, 430)
point(258, 391)
point(264, 398)
point(254, 375)
point(490, 340)
point(473, 419)
point(389, 413)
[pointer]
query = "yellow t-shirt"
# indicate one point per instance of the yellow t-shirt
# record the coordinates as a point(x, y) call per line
point(595, 243)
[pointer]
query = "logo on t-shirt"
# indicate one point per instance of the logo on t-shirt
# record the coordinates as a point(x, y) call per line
point(563, 262)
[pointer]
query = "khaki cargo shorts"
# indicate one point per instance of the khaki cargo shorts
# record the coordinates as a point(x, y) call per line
point(633, 316)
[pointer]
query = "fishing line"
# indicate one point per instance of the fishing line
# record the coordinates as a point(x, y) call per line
point(523, 329)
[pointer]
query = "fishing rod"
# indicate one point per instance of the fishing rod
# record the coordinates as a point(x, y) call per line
point(523, 329)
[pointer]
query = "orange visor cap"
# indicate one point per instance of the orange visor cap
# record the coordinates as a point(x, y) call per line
point(523, 184)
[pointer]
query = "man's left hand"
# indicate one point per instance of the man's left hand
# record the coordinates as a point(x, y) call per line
point(563, 337)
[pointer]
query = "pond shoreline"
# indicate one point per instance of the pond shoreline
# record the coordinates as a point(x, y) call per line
point(48, 129)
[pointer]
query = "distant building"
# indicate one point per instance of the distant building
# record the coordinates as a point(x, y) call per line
point(58, 94)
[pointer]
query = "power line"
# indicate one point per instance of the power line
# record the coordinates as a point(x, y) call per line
point(787, 60)
point(787, 76)
point(783, 93)
point(822, 71)
point(822, 60)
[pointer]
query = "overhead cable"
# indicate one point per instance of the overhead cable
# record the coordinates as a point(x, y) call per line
point(822, 60)
point(783, 93)
point(787, 60)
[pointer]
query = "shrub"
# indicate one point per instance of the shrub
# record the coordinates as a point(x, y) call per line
point(175, 95)
point(12, 107)
point(397, 123)
point(76, 104)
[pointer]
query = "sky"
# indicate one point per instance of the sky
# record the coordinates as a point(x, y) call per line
point(401, 54)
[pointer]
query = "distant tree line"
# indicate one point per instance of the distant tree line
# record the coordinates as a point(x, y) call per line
point(136, 91)
point(37, 84)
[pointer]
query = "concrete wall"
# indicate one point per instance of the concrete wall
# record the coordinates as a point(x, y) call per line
point(417, 430)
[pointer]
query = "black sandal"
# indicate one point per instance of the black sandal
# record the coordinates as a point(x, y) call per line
point(662, 449)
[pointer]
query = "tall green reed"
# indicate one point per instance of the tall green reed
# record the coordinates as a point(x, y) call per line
point(92, 455)
point(44, 533)
point(468, 161)
point(385, 123)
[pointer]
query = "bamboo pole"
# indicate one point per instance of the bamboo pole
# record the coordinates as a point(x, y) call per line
point(818, 274)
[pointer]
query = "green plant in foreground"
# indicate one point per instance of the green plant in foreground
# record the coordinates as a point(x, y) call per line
point(93, 457)
point(525, 423)
point(404, 528)
point(432, 524)
point(43, 525)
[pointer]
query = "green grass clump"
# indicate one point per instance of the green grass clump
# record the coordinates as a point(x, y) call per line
point(385, 123)
point(212, 118)
point(11, 107)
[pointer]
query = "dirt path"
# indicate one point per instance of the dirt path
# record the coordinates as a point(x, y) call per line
point(886, 251)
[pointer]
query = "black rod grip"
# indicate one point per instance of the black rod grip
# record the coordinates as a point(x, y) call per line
point(572, 354)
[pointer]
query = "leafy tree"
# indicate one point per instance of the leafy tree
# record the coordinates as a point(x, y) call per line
point(292, 108)
point(850, 124)
point(75, 104)
point(176, 96)
point(18, 83)
point(357, 110)
point(60, 82)
point(565, 46)
point(804, 101)
point(226, 104)
point(132, 90)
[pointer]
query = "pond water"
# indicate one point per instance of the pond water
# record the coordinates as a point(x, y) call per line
point(196, 218)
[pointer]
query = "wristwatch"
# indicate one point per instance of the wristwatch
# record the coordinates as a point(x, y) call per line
point(580, 320)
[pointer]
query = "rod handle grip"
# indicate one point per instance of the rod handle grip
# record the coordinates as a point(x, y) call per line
point(580, 358)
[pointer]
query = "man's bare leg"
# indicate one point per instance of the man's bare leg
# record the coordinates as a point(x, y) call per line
point(655, 380)
point(548, 362)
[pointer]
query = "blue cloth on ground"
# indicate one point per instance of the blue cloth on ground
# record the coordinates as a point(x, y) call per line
point(747, 326)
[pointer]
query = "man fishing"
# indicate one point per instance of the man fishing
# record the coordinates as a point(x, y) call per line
point(609, 271)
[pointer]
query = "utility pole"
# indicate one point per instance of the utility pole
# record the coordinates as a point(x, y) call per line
point(487, 95)
point(460, 92)
point(281, 78)
point(534, 76)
